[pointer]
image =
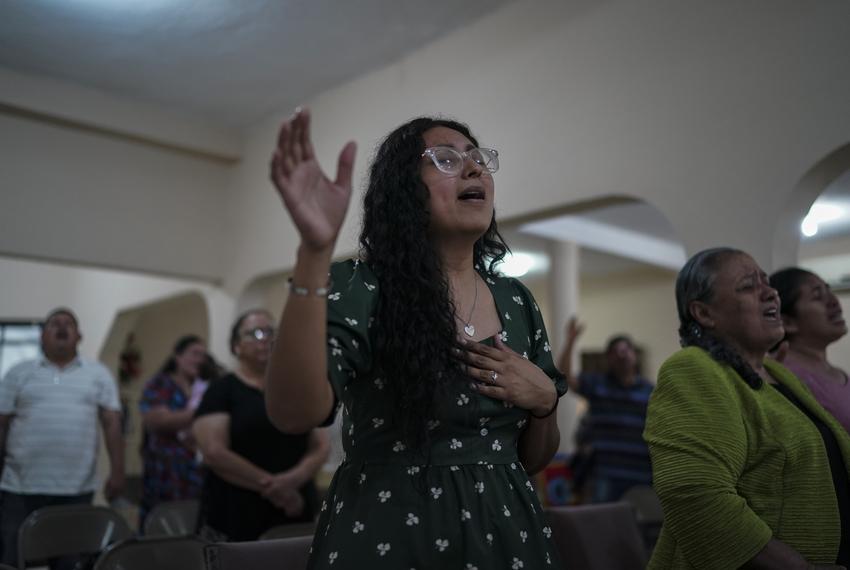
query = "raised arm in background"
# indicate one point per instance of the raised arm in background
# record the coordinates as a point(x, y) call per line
point(565, 363)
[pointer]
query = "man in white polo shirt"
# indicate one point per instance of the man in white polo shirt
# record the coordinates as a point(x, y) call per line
point(49, 411)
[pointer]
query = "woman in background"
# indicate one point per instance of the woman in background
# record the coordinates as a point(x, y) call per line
point(169, 399)
point(813, 320)
point(257, 477)
point(751, 471)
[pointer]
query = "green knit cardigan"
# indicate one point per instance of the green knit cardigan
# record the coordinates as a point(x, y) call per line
point(734, 466)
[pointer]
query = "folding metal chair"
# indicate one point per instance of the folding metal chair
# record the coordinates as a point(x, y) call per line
point(289, 531)
point(68, 530)
point(173, 518)
point(154, 553)
point(280, 554)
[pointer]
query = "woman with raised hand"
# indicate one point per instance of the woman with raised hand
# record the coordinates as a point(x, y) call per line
point(813, 320)
point(442, 366)
point(751, 471)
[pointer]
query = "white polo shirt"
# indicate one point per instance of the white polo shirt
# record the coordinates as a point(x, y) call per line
point(51, 448)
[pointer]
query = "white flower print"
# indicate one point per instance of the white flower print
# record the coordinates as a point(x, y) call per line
point(465, 515)
point(339, 506)
point(490, 281)
point(441, 544)
point(513, 466)
point(362, 478)
point(503, 336)
point(538, 333)
point(462, 400)
point(546, 347)
point(334, 296)
point(529, 486)
point(436, 492)
point(336, 352)
point(358, 527)
point(536, 308)
point(351, 322)
point(384, 496)
point(413, 470)
point(333, 341)
point(332, 557)
point(517, 564)
point(324, 506)
point(525, 354)
point(369, 286)
point(398, 447)
point(379, 383)
point(411, 519)
point(511, 486)
point(377, 422)
point(479, 486)
point(351, 430)
point(547, 532)
point(489, 538)
point(470, 567)
point(371, 320)
point(483, 420)
point(523, 536)
point(507, 316)
point(454, 468)
point(506, 404)
point(384, 547)
point(433, 424)
point(517, 299)
point(354, 343)
point(533, 509)
point(521, 423)
point(456, 444)
point(484, 432)
point(506, 511)
point(548, 559)
point(496, 446)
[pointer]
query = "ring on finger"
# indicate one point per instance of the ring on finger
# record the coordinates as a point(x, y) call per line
point(494, 376)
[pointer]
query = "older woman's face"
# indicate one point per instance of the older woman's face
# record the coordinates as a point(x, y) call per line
point(461, 204)
point(744, 309)
point(250, 348)
point(817, 314)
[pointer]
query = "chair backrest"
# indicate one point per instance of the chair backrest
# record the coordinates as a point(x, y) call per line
point(289, 531)
point(646, 503)
point(66, 530)
point(173, 518)
point(158, 552)
point(597, 537)
point(280, 554)
point(7, 567)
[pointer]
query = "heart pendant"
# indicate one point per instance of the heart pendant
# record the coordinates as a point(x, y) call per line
point(469, 330)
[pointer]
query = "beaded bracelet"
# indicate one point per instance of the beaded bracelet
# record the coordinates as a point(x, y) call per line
point(550, 412)
point(305, 292)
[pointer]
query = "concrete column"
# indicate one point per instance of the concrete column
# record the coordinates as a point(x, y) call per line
point(564, 288)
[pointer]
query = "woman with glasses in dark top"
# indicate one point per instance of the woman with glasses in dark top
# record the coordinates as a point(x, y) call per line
point(751, 471)
point(441, 365)
point(257, 477)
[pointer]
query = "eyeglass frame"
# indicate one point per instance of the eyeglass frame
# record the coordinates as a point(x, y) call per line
point(464, 156)
point(258, 334)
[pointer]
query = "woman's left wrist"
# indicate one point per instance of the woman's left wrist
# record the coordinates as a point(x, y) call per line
point(548, 407)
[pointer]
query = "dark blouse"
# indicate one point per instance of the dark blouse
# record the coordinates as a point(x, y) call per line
point(239, 513)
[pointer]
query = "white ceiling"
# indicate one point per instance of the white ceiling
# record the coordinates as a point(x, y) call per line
point(228, 61)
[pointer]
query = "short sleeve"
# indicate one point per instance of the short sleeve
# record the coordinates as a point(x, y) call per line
point(9, 386)
point(541, 351)
point(697, 442)
point(216, 399)
point(351, 305)
point(107, 390)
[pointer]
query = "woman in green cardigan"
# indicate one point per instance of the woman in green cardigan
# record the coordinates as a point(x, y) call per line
point(751, 471)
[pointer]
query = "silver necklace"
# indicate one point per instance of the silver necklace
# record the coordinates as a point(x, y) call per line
point(468, 327)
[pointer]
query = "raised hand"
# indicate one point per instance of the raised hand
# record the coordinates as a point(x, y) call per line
point(316, 203)
point(574, 330)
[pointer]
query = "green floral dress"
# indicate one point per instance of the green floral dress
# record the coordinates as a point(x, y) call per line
point(472, 506)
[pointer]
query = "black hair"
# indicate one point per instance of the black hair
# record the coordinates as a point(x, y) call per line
point(234, 330)
point(616, 339)
point(695, 282)
point(184, 342)
point(787, 283)
point(413, 289)
point(61, 311)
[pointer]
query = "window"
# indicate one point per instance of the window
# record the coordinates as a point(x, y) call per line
point(19, 340)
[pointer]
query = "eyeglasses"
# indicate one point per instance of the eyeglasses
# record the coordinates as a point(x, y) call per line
point(258, 334)
point(449, 161)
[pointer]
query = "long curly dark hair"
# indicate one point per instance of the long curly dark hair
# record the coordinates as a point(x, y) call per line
point(415, 331)
point(695, 282)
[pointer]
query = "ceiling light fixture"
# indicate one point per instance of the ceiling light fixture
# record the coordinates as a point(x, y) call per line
point(818, 214)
